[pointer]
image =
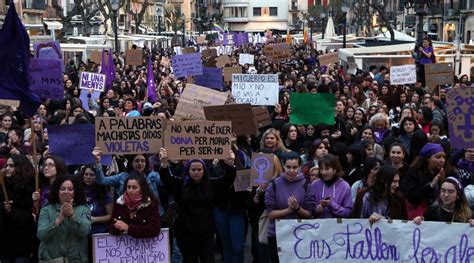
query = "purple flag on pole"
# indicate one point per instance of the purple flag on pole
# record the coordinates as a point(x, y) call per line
point(103, 65)
point(14, 66)
point(110, 74)
point(150, 80)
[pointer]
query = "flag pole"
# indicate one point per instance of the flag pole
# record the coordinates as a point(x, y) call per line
point(35, 162)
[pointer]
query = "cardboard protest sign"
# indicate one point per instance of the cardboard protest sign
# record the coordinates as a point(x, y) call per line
point(74, 143)
point(256, 89)
point(461, 117)
point(48, 50)
point(198, 139)
point(222, 60)
point(124, 248)
point(261, 117)
point(201, 40)
point(129, 135)
point(242, 180)
point(10, 103)
point(439, 74)
point(229, 71)
point(277, 52)
point(47, 78)
point(187, 65)
point(361, 241)
point(239, 114)
point(211, 52)
point(165, 62)
point(92, 81)
point(246, 59)
point(188, 50)
point(327, 59)
point(224, 50)
point(134, 57)
point(194, 98)
point(262, 168)
point(96, 57)
point(400, 75)
point(309, 108)
point(211, 78)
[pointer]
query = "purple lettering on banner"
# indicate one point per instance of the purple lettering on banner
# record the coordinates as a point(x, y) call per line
point(187, 65)
point(229, 38)
point(211, 78)
point(47, 78)
point(80, 137)
point(92, 81)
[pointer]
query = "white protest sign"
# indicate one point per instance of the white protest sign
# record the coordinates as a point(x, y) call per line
point(92, 81)
point(224, 50)
point(405, 74)
point(256, 89)
point(108, 248)
point(246, 59)
point(355, 240)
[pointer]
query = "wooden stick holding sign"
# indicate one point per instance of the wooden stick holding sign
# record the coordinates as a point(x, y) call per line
point(4, 187)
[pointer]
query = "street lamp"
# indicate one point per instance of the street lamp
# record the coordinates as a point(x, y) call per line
point(115, 7)
point(159, 13)
point(199, 21)
point(323, 22)
point(419, 6)
point(344, 9)
point(311, 20)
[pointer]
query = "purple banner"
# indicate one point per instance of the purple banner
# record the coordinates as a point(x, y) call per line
point(47, 78)
point(95, 95)
point(229, 39)
point(47, 50)
point(80, 137)
point(187, 65)
point(211, 78)
point(241, 39)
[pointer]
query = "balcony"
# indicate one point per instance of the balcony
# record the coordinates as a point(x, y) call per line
point(235, 19)
point(294, 7)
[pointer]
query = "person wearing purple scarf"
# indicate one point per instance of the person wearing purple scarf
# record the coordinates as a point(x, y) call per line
point(380, 123)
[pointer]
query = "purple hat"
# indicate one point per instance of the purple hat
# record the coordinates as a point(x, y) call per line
point(430, 149)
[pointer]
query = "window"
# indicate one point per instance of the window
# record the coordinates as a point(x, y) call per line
point(273, 11)
point(257, 11)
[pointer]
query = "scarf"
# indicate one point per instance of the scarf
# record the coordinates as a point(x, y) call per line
point(132, 203)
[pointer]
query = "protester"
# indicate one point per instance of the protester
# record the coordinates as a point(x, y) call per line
point(53, 167)
point(64, 223)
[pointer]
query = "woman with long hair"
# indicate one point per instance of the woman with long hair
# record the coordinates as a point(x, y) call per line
point(316, 151)
point(271, 139)
point(17, 225)
point(64, 223)
point(53, 167)
point(136, 212)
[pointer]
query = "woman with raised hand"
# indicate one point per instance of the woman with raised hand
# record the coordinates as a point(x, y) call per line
point(64, 223)
point(195, 194)
point(136, 212)
point(18, 227)
point(138, 164)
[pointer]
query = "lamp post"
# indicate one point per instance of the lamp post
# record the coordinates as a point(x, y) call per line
point(419, 6)
point(115, 7)
point(311, 21)
point(184, 29)
point(199, 24)
point(323, 22)
point(159, 14)
point(344, 9)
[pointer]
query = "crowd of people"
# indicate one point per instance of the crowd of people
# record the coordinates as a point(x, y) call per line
point(387, 156)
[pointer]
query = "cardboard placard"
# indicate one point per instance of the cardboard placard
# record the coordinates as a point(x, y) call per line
point(201, 40)
point(327, 59)
point(211, 52)
point(439, 74)
point(129, 135)
point(96, 57)
point(47, 78)
point(304, 111)
point(187, 65)
point(124, 248)
point(194, 98)
point(229, 71)
point(246, 59)
point(277, 52)
point(239, 114)
point(261, 117)
point(198, 139)
point(165, 62)
point(92, 81)
point(222, 60)
point(262, 168)
point(211, 78)
point(460, 117)
point(400, 75)
point(10, 103)
point(242, 180)
point(256, 89)
point(134, 57)
point(188, 50)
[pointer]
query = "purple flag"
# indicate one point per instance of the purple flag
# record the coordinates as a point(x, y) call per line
point(103, 66)
point(15, 59)
point(150, 80)
point(110, 74)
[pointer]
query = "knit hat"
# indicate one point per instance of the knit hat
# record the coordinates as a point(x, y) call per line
point(430, 149)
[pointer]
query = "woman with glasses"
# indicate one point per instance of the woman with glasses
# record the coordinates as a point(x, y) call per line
point(137, 165)
point(53, 167)
point(17, 225)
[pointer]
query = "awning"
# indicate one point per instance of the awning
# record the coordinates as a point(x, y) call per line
point(56, 25)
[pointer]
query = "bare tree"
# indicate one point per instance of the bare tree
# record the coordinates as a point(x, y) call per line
point(138, 17)
point(85, 9)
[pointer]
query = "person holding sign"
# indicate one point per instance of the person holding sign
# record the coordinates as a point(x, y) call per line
point(289, 196)
point(136, 212)
point(138, 164)
point(64, 223)
point(195, 194)
point(17, 225)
